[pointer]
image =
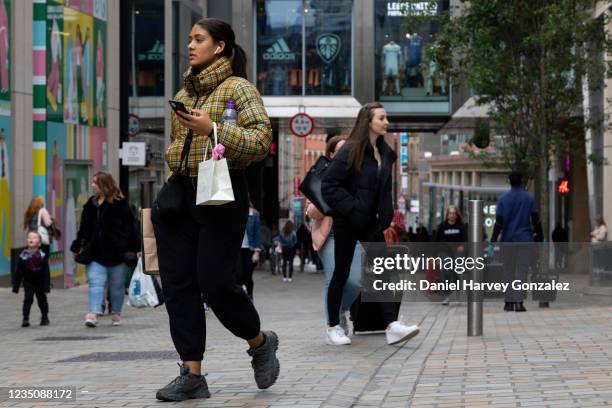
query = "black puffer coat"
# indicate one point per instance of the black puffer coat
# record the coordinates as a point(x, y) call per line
point(362, 200)
point(111, 229)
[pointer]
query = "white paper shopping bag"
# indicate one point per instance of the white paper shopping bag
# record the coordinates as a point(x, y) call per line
point(214, 182)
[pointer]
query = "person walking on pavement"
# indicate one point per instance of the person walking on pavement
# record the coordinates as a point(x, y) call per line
point(33, 271)
point(560, 237)
point(304, 244)
point(324, 243)
point(198, 245)
point(250, 250)
point(288, 242)
point(452, 229)
point(516, 213)
point(357, 185)
point(109, 232)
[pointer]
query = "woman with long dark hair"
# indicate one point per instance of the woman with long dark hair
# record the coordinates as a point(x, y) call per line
point(323, 242)
point(198, 245)
point(357, 185)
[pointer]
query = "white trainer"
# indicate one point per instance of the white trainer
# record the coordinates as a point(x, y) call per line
point(336, 336)
point(398, 332)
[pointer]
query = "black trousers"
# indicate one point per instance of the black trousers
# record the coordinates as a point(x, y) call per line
point(245, 269)
point(41, 298)
point(288, 255)
point(346, 237)
point(197, 250)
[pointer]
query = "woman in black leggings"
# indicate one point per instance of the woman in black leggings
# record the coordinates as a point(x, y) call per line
point(357, 185)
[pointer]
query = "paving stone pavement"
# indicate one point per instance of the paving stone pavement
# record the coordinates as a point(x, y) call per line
point(557, 357)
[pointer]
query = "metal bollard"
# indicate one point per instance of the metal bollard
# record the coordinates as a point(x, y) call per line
point(475, 298)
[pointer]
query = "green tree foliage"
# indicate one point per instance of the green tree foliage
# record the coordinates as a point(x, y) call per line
point(527, 60)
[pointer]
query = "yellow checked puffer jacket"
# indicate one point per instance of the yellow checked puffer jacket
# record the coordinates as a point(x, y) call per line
point(245, 142)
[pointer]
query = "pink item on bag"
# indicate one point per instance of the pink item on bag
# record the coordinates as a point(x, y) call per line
point(218, 152)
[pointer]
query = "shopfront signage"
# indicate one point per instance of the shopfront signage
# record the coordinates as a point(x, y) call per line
point(404, 155)
point(489, 211)
point(328, 47)
point(279, 51)
point(156, 53)
point(403, 9)
point(414, 206)
point(301, 125)
point(134, 153)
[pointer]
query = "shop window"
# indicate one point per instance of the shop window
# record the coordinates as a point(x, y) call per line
point(304, 47)
point(402, 75)
point(147, 55)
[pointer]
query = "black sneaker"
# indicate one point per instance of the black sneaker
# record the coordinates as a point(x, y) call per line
point(185, 386)
point(25, 323)
point(44, 321)
point(264, 363)
point(518, 307)
point(509, 306)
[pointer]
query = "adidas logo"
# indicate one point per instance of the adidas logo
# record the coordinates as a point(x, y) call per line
point(279, 51)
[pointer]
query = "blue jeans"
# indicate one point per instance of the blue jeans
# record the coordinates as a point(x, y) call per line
point(352, 287)
point(98, 276)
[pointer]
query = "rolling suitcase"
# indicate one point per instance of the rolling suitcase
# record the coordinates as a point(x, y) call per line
point(368, 316)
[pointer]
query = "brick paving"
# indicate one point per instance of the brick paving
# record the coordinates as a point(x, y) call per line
point(557, 357)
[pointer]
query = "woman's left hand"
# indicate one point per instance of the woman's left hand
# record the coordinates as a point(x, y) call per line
point(255, 257)
point(198, 121)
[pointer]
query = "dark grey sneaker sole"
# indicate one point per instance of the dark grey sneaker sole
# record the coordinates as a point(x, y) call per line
point(199, 393)
point(276, 372)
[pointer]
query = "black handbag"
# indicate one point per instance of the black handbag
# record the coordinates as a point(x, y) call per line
point(311, 185)
point(171, 197)
point(85, 254)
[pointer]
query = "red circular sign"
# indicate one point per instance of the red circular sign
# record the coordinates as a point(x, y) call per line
point(301, 124)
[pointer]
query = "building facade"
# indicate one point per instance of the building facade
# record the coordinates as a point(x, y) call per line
point(101, 73)
point(58, 106)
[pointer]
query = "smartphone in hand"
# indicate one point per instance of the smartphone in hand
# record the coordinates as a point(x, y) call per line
point(178, 106)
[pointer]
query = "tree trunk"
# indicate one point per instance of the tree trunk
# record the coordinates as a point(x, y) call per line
point(543, 188)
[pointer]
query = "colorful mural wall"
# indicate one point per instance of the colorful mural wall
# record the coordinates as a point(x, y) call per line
point(5, 138)
point(69, 114)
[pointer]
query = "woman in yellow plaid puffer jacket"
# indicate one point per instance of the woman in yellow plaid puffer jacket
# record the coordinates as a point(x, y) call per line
point(198, 246)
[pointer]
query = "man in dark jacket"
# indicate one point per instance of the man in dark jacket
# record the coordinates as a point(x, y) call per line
point(515, 214)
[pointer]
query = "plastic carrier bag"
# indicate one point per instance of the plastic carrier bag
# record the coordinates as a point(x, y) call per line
point(141, 292)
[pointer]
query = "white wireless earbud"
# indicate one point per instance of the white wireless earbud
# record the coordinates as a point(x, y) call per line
point(217, 50)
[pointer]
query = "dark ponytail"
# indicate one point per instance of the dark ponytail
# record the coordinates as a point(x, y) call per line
point(239, 62)
point(219, 30)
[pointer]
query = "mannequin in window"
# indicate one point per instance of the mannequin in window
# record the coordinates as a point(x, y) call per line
point(277, 78)
point(429, 80)
point(391, 60)
point(413, 52)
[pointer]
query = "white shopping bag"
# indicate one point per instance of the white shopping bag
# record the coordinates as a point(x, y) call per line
point(141, 292)
point(214, 182)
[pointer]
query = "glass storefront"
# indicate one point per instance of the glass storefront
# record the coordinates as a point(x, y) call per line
point(401, 72)
point(304, 47)
point(148, 40)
